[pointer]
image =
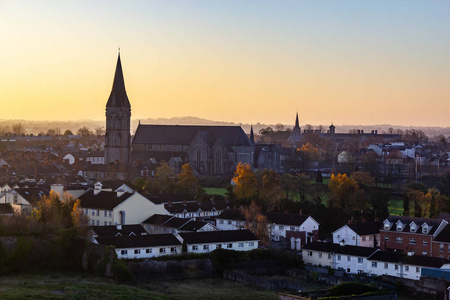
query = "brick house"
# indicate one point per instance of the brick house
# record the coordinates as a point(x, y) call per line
point(410, 234)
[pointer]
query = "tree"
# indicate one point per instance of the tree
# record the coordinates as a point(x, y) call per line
point(342, 188)
point(84, 131)
point(245, 182)
point(68, 132)
point(186, 181)
point(18, 129)
point(99, 131)
point(79, 219)
point(363, 178)
point(54, 131)
point(165, 177)
point(256, 222)
point(308, 153)
point(270, 190)
point(140, 183)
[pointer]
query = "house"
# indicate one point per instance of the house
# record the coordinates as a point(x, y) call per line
point(351, 259)
point(231, 219)
point(170, 224)
point(207, 241)
point(410, 234)
point(142, 246)
point(117, 208)
point(441, 244)
point(6, 210)
point(362, 234)
point(297, 229)
point(23, 200)
point(402, 265)
point(354, 259)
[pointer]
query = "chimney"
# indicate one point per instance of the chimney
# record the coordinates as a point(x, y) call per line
point(120, 193)
point(119, 227)
point(97, 188)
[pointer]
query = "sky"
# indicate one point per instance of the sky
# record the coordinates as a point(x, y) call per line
point(342, 62)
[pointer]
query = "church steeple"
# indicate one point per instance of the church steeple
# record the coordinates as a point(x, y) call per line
point(296, 129)
point(118, 96)
point(252, 136)
point(118, 114)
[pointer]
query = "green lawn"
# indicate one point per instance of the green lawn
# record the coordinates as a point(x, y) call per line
point(85, 286)
point(396, 207)
point(215, 191)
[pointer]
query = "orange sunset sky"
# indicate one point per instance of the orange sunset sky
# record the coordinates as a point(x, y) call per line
point(346, 62)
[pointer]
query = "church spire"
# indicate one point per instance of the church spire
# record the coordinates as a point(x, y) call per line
point(296, 129)
point(118, 97)
point(252, 136)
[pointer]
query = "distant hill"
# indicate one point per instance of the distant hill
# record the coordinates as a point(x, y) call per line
point(37, 127)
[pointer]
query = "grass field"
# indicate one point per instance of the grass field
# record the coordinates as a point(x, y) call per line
point(396, 207)
point(215, 191)
point(85, 286)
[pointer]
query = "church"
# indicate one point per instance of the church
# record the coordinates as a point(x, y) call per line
point(209, 150)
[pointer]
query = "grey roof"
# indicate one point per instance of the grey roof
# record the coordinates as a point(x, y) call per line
point(206, 237)
point(102, 200)
point(118, 96)
point(184, 134)
point(415, 260)
point(366, 228)
point(125, 230)
point(444, 235)
point(151, 240)
point(232, 214)
point(407, 220)
point(32, 195)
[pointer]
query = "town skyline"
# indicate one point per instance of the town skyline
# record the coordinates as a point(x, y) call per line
point(334, 63)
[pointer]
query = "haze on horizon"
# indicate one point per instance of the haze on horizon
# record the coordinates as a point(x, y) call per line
point(341, 62)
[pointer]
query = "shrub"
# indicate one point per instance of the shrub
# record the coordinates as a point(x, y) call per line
point(121, 271)
point(350, 288)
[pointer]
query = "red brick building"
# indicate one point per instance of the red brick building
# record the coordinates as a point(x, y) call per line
point(411, 234)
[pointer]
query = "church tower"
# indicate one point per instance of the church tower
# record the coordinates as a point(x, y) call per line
point(118, 113)
point(296, 129)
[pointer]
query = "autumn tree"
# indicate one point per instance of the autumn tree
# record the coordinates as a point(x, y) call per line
point(308, 153)
point(270, 190)
point(256, 222)
point(342, 189)
point(165, 177)
point(68, 132)
point(245, 182)
point(186, 181)
point(363, 178)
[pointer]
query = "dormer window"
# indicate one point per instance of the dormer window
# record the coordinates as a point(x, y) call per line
point(413, 227)
point(425, 229)
point(399, 226)
point(387, 225)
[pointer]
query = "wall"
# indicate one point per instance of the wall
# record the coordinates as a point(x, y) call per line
point(158, 270)
point(405, 245)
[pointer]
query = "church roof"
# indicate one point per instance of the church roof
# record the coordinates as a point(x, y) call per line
point(184, 134)
point(118, 97)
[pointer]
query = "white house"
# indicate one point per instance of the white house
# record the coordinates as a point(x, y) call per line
point(230, 219)
point(142, 246)
point(23, 200)
point(362, 234)
point(118, 208)
point(207, 241)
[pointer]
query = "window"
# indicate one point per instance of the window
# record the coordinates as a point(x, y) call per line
point(412, 241)
point(320, 254)
point(194, 248)
point(406, 268)
point(309, 253)
point(220, 221)
point(417, 269)
point(229, 222)
point(425, 229)
point(98, 212)
point(425, 243)
point(93, 212)
point(354, 238)
point(281, 227)
point(105, 213)
point(109, 223)
point(360, 260)
point(386, 239)
point(106, 223)
point(292, 228)
point(374, 264)
point(173, 249)
point(329, 256)
point(424, 253)
point(399, 227)
point(123, 252)
point(251, 244)
point(448, 250)
point(110, 214)
point(219, 246)
point(363, 238)
point(386, 226)
point(339, 257)
point(399, 239)
point(349, 258)
point(386, 265)
point(162, 250)
point(370, 238)
point(205, 247)
point(93, 222)
point(137, 251)
point(148, 251)
point(98, 222)
point(441, 247)
point(87, 211)
point(241, 245)
point(396, 267)
point(229, 246)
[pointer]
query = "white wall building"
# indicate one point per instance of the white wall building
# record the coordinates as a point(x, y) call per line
point(363, 234)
